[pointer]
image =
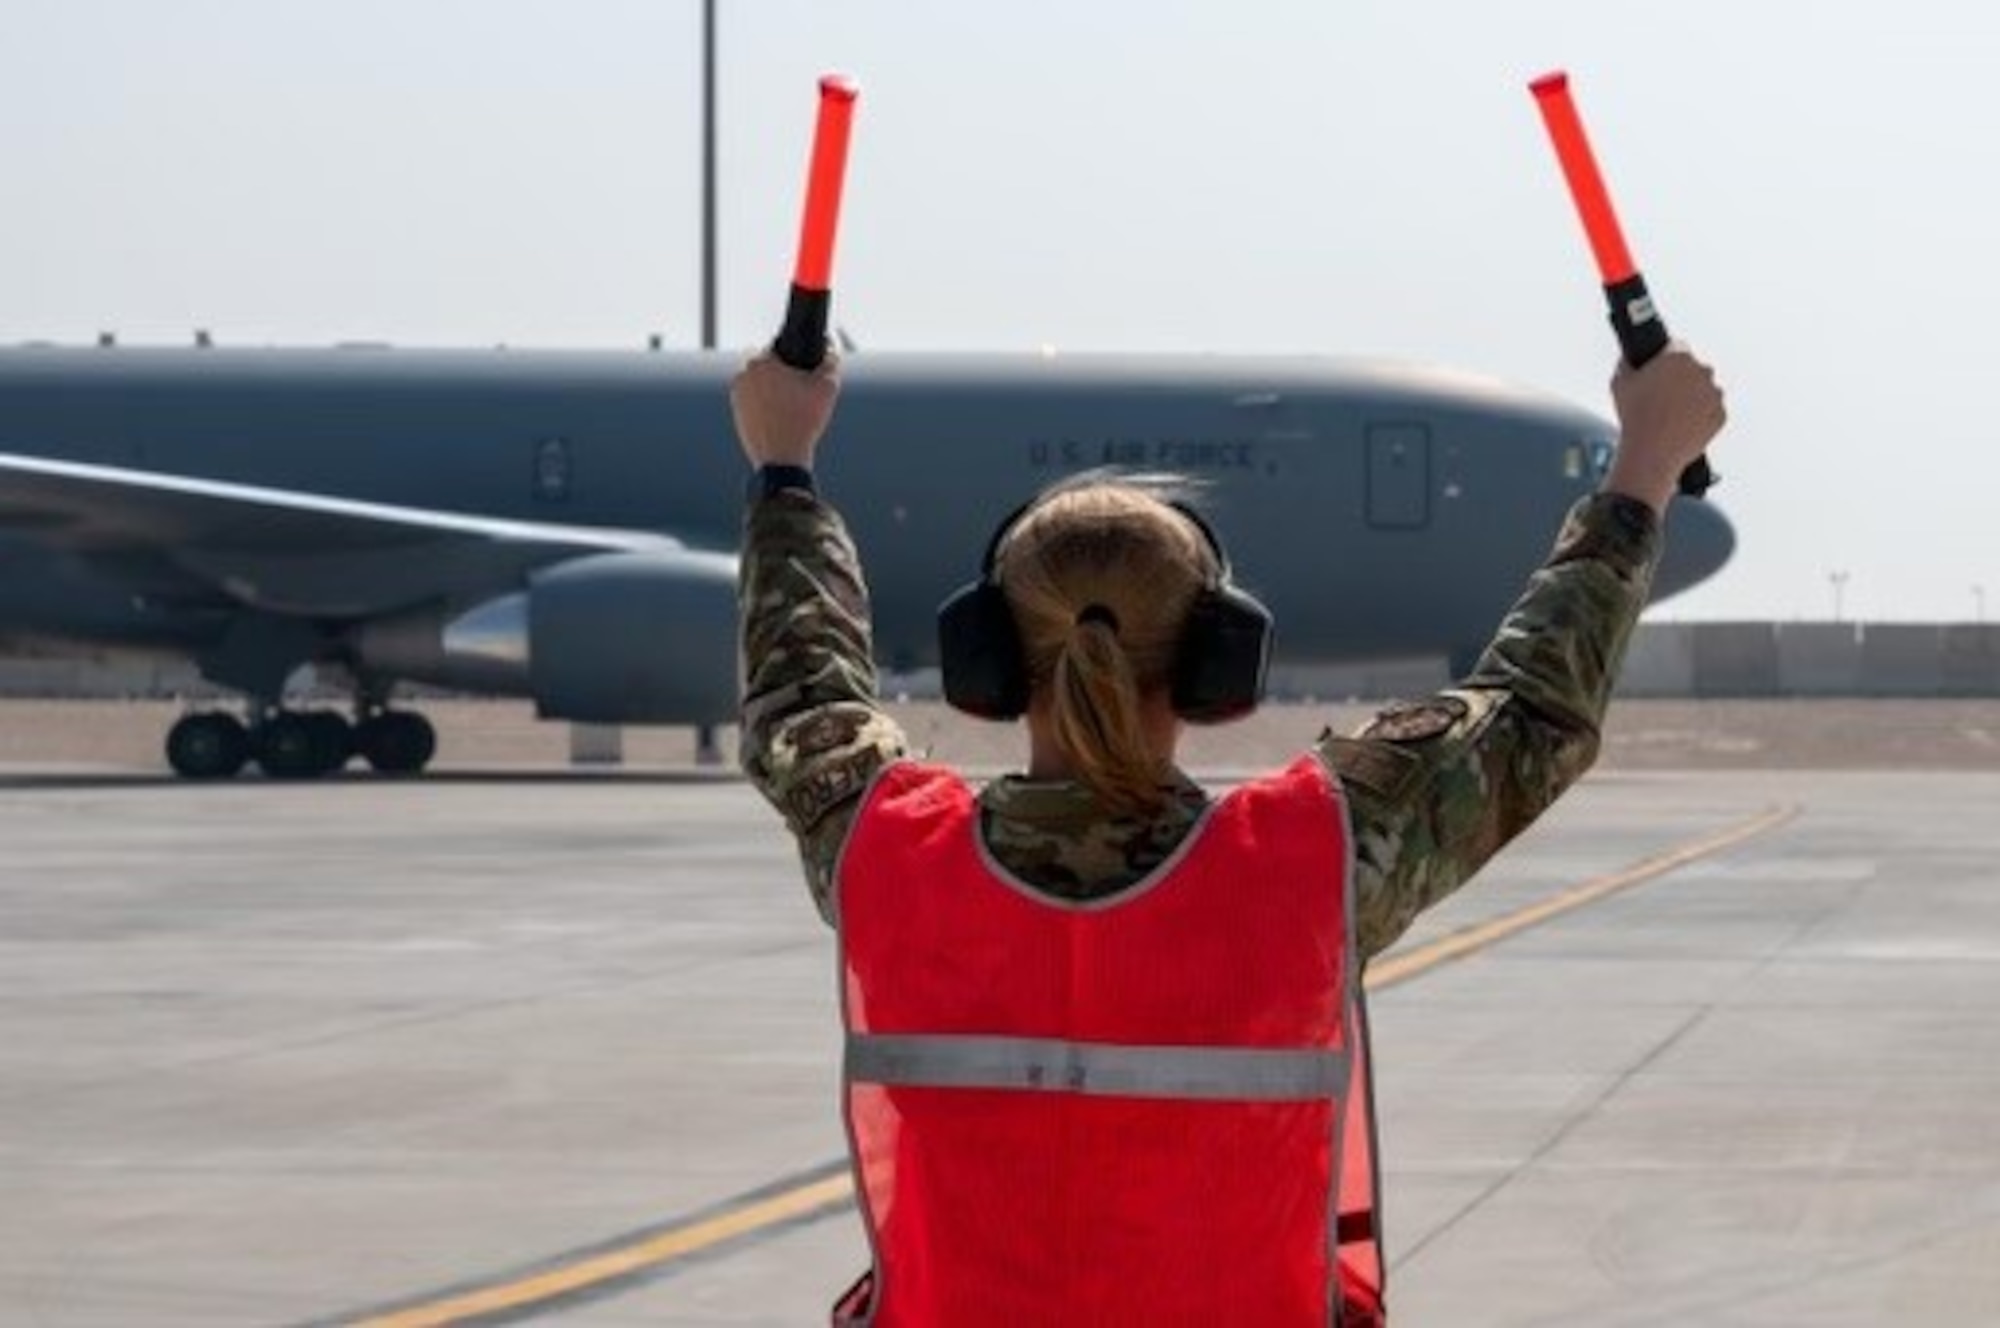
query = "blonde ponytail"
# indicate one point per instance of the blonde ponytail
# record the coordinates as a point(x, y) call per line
point(1097, 723)
point(1100, 576)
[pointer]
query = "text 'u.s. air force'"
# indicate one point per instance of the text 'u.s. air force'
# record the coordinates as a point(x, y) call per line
point(1178, 454)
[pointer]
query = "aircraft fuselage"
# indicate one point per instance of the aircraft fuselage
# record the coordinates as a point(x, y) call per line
point(1379, 510)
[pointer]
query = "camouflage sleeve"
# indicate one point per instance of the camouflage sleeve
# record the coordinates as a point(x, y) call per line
point(813, 731)
point(1438, 787)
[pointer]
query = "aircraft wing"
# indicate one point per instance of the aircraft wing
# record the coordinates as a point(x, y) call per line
point(206, 542)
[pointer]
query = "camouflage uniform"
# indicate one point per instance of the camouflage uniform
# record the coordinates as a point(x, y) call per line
point(1435, 788)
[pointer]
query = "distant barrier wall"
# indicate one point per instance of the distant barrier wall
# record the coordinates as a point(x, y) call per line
point(1969, 663)
point(1819, 659)
point(99, 679)
point(1736, 659)
point(1764, 659)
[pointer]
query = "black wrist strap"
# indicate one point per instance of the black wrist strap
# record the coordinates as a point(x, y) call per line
point(767, 480)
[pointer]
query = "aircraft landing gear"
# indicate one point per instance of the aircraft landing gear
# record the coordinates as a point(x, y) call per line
point(396, 742)
point(302, 744)
point(299, 744)
point(208, 746)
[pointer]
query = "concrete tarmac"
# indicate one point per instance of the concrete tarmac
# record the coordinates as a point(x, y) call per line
point(301, 1054)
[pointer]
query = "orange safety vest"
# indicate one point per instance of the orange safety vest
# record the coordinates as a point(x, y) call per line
point(1149, 1109)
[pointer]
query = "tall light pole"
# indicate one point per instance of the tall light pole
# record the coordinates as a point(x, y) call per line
point(1979, 604)
point(707, 751)
point(708, 174)
point(1838, 580)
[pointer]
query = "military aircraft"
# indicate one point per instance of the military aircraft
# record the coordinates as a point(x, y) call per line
point(560, 525)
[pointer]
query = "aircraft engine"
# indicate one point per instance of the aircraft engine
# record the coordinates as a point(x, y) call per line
point(613, 638)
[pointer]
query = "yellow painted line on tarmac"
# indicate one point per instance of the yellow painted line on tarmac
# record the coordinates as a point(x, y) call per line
point(1457, 945)
point(585, 1273)
point(589, 1272)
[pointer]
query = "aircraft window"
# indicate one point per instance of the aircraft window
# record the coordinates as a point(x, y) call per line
point(1591, 457)
point(1602, 450)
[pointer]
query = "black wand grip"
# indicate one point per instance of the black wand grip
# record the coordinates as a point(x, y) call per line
point(801, 341)
point(1642, 335)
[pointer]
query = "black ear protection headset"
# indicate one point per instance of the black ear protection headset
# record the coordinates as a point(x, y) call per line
point(1218, 669)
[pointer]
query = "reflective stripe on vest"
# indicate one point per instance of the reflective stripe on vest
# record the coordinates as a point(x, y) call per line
point(1048, 1065)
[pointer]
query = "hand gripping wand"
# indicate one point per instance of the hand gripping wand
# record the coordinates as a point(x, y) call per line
point(801, 341)
point(1634, 317)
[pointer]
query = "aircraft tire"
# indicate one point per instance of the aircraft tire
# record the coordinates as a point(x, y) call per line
point(207, 746)
point(396, 742)
point(333, 739)
point(290, 746)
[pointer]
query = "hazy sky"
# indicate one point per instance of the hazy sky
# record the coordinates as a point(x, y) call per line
point(1810, 187)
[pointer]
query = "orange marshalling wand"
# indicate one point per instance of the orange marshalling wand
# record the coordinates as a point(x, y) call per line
point(1634, 317)
point(801, 341)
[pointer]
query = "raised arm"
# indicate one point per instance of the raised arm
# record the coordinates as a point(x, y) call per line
point(814, 732)
point(1438, 787)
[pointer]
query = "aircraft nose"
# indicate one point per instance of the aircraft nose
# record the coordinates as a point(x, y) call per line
point(1700, 540)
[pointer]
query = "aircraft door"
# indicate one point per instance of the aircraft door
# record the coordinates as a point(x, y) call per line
point(1399, 476)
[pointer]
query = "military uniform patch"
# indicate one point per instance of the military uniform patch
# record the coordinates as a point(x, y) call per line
point(826, 731)
point(1382, 770)
point(838, 781)
point(1419, 721)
